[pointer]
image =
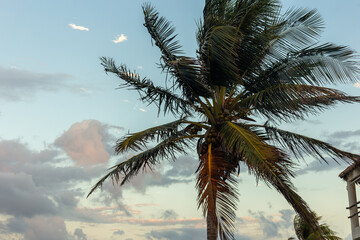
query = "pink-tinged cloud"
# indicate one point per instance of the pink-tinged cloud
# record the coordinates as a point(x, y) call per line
point(85, 143)
point(163, 222)
point(45, 228)
point(146, 205)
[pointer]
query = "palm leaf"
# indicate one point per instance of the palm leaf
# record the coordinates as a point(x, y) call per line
point(254, 16)
point(268, 164)
point(273, 175)
point(217, 196)
point(220, 52)
point(293, 101)
point(296, 29)
point(137, 141)
point(161, 32)
point(163, 98)
point(301, 145)
point(304, 232)
point(185, 70)
point(167, 149)
point(243, 143)
point(324, 64)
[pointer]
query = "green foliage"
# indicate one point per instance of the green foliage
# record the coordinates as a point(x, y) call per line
point(252, 63)
point(304, 232)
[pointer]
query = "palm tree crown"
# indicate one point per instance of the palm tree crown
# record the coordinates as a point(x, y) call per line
point(252, 63)
point(304, 232)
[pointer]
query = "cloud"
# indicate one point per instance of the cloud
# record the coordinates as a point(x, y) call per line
point(344, 134)
point(45, 228)
point(20, 197)
point(119, 232)
point(22, 85)
point(79, 234)
point(272, 226)
point(87, 143)
point(177, 234)
point(345, 140)
point(142, 110)
point(317, 166)
point(357, 84)
point(76, 27)
point(39, 228)
point(120, 38)
point(84, 90)
point(169, 214)
point(287, 215)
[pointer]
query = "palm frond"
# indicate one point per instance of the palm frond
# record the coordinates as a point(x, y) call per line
point(217, 195)
point(301, 145)
point(294, 101)
point(254, 19)
point(137, 141)
point(273, 173)
point(296, 29)
point(164, 99)
point(304, 232)
point(243, 143)
point(320, 65)
point(161, 32)
point(165, 150)
point(185, 70)
point(219, 55)
point(268, 164)
point(255, 16)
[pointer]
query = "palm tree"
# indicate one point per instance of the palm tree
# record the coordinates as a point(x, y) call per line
point(254, 70)
point(304, 232)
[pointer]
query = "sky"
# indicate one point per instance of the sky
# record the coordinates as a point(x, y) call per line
point(60, 116)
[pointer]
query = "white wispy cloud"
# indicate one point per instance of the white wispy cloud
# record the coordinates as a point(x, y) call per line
point(357, 84)
point(120, 38)
point(76, 27)
point(141, 109)
point(140, 67)
point(87, 91)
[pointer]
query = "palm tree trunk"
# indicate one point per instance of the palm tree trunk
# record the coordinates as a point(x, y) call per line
point(211, 225)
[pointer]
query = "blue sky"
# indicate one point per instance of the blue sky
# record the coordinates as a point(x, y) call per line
point(60, 115)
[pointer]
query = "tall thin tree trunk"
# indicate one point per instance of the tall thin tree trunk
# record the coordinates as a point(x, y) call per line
point(211, 225)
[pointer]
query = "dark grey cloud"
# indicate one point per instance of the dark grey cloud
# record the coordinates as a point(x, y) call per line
point(22, 85)
point(16, 157)
point(183, 167)
point(79, 234)
point(315, 121)
point(119, 232)
point(345, 140)
point(344, 134)
point(169, 214)
point(34, 183)
point(317, 166)
point(20, 197)
point(287, 215)
point(270, 227)
point(164, 175)
point(177, 234)
point(241, 237)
